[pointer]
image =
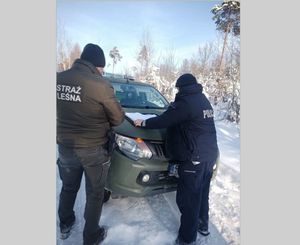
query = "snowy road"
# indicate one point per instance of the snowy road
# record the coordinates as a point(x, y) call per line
point(155, 220)
point(138, 221)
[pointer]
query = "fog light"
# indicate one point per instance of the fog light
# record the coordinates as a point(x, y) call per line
point(215, 167)
point(146, 178)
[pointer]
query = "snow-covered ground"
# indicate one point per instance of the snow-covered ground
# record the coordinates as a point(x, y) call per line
point(155, 220)
point(225, 188)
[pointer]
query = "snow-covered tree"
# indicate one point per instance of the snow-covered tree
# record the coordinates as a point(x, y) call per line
point(66, 51)
point(145, 56)
point(227, 20)
point(75, 53)
point(115, 55)
point(62, 47)
point(205, 53)
point(185, 67)
point(168, 74)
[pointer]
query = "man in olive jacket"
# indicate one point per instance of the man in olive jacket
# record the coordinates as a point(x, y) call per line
point(191, 142)
point(86, 110)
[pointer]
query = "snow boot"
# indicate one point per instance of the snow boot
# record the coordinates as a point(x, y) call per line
point(102, 235)
point(65, 230)
point(203, 232)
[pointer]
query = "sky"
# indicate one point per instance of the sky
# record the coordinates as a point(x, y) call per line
point(174, 26)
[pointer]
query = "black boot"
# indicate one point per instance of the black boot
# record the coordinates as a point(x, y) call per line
point(203, 231)
point(65, 230)
point(102, 233)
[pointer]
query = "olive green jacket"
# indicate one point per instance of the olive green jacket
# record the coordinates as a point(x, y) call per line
point(86, 106)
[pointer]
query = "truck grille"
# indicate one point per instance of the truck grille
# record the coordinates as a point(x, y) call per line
point(158, 150)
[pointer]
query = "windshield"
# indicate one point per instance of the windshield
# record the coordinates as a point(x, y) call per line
point(139, 96)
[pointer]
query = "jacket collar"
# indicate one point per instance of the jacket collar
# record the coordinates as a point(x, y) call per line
point(85, 65)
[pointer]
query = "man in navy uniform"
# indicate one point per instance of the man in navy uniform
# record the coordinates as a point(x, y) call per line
point(191, 143)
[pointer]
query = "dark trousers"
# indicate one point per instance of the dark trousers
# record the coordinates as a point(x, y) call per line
point(72, 163)
point(193, 198)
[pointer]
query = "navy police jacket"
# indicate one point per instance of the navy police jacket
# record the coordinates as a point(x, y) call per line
point(191, 133)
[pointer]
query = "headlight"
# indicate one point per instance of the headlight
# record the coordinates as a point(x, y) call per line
point(133, 148)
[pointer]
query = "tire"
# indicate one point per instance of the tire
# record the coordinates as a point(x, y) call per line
point(107, 194)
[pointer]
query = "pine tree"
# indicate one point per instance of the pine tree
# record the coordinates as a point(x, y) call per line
point(115, 55)
point(227, 20)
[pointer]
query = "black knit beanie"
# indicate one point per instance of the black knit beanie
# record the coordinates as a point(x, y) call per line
point(186, 79)
point(93, 54)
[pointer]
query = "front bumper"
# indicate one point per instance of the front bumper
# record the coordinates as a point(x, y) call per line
point(125, 176)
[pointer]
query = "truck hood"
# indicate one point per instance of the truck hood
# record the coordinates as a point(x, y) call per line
point(128, 129)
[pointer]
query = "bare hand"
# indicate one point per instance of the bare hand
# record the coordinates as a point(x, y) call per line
point(138, 122)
